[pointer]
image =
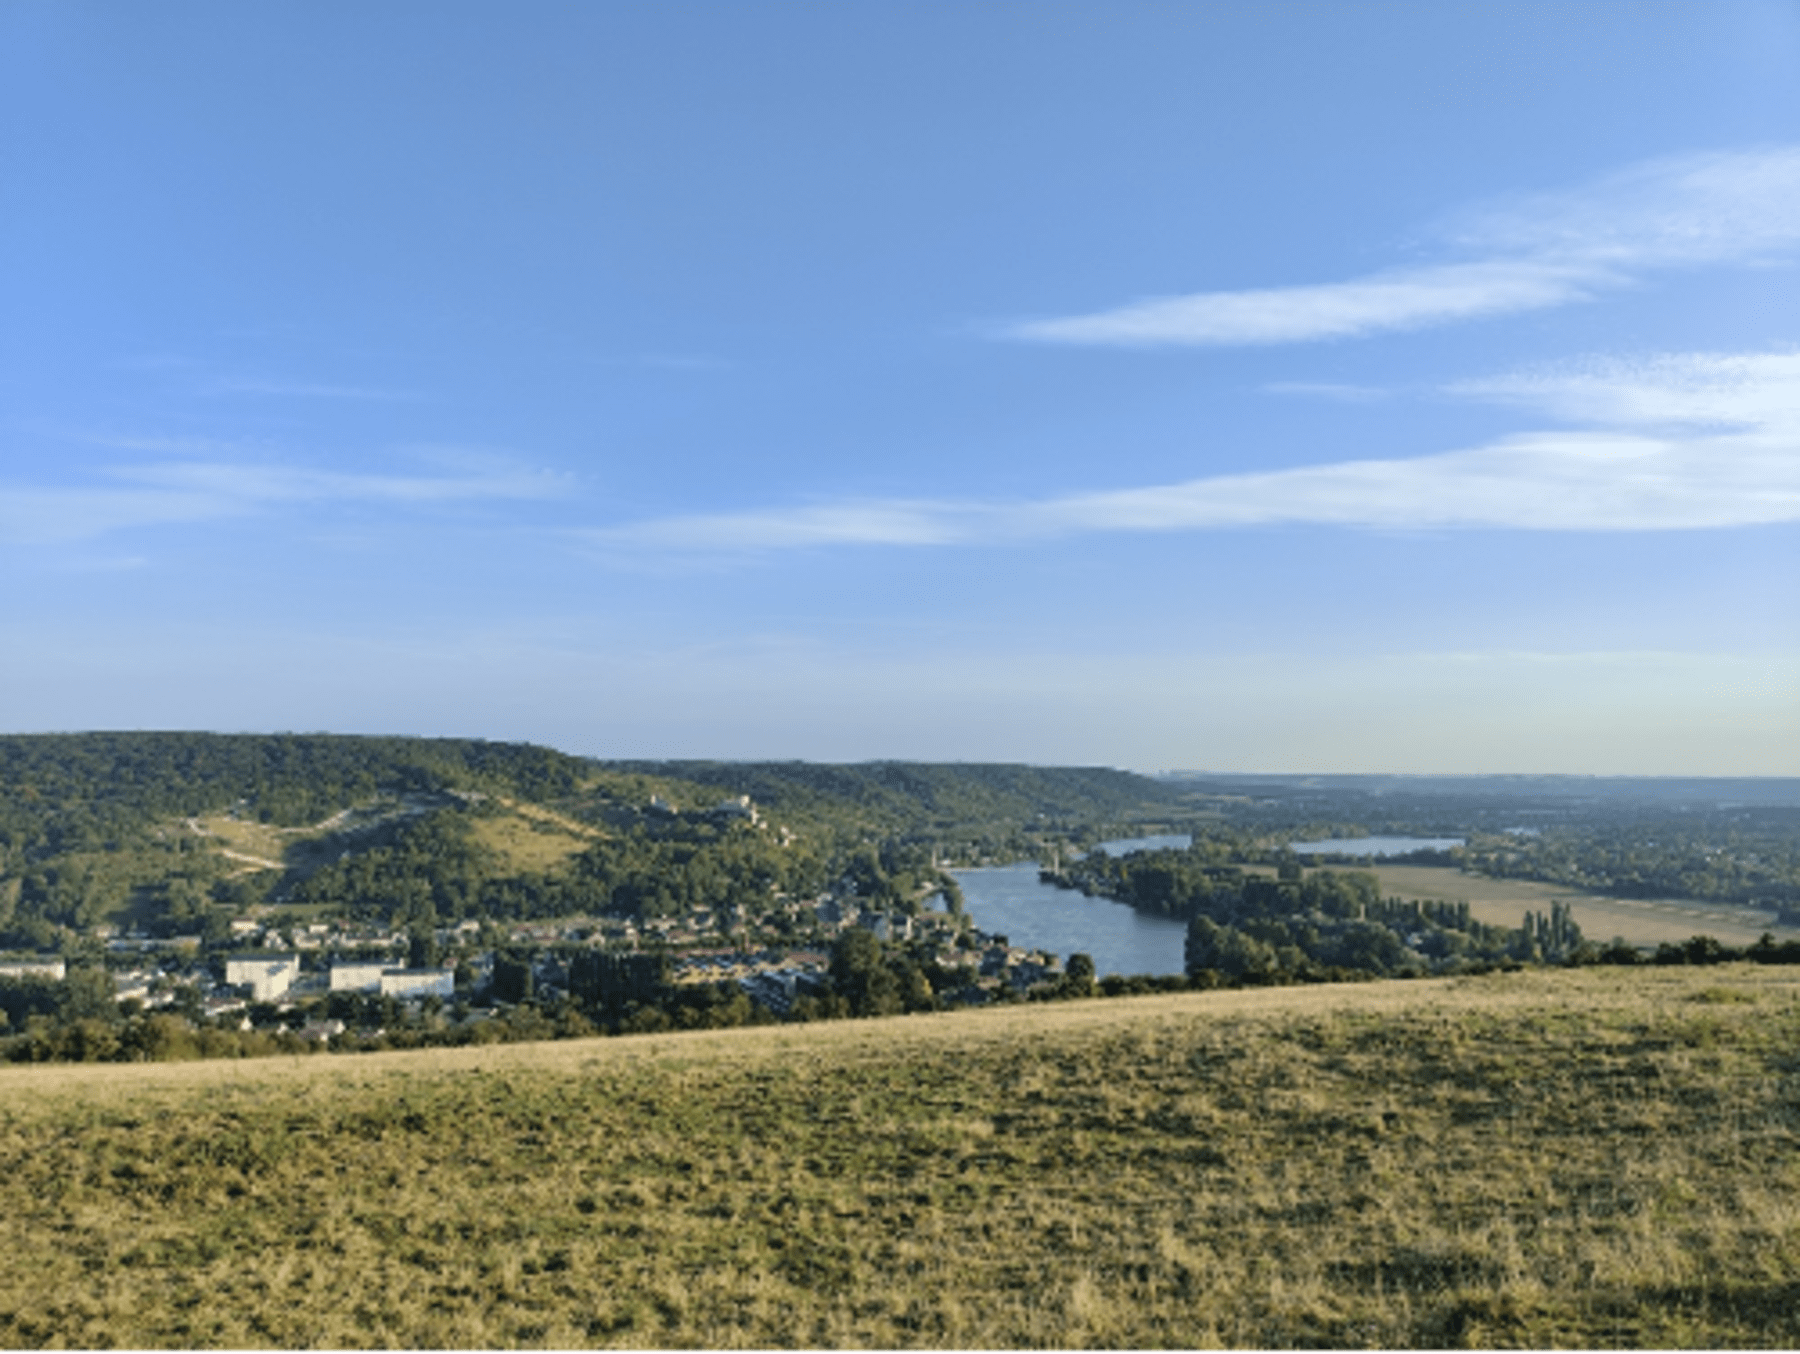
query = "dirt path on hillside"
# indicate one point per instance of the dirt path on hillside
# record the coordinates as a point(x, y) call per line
point(259, 861)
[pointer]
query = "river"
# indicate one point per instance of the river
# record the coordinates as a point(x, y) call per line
point(1009, 900)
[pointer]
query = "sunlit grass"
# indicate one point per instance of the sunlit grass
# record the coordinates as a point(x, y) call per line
point(1545, 1158)
point(528, 838)
point(250, 840)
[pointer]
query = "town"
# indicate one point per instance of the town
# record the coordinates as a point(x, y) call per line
point(315, 979)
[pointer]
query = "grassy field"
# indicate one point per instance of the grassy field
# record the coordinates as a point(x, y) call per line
point(1596, 1157)
point(1503, 902)
point(533, 839)
point(248, 839)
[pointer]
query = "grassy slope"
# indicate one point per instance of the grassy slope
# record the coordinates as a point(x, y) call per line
point(1596, 1157)
point(530, 838)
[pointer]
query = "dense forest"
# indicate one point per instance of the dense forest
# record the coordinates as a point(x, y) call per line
point(966, 810)
point(91, 824)
point(433, 869)
point(72, 792)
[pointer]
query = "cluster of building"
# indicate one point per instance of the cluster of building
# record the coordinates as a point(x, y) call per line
point(53, 969)
point(772, 977)
point(776, 951)
point(330, 937)
point(271, 975)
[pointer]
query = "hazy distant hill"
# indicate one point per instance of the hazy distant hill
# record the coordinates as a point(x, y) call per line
point(83, 783)
point(1698, 791)
point(66, 791)
point(933, 797)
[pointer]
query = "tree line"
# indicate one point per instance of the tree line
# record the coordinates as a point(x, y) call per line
point(1249, 927)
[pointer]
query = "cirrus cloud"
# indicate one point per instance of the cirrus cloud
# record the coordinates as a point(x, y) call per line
point(180, 492)
point(1692, 441)
point(1529, 253)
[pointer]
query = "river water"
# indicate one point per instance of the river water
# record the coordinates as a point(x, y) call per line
point(1009, 900)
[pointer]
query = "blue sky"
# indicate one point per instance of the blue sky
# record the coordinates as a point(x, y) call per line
point(1380, 387)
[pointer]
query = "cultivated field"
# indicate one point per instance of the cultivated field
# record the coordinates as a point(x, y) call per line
point(1598, 1157)
point(1502, 902)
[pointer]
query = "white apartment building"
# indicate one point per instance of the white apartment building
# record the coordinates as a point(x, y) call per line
point(267, 973)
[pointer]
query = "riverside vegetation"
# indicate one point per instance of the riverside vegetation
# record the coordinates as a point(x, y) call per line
point(1599, 1157)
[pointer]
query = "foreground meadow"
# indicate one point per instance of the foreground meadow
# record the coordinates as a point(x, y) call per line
point(1601, 1157)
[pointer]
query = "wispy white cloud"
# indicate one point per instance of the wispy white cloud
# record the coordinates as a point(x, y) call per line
point(1529, 253)
point(1712, 207)
point(1568, 481)
point(851, 522)
point(1693, 441)
point(1407, 298)
point(177, 492)
point(1725, 390)
point(225, 482)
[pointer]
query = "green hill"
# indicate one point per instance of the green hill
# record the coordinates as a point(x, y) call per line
point(183, 832)
point(974, 808)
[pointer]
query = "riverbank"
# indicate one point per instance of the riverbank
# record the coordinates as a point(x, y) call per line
point(1063, 921)
point(1012, 900)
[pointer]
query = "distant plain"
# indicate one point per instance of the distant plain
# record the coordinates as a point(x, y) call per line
point(1501, 902)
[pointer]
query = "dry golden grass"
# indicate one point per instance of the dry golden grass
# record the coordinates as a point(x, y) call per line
point(533, 839)
point(248, 841)
point(528, 837)
point(1545, 1158)
point(538, 813)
